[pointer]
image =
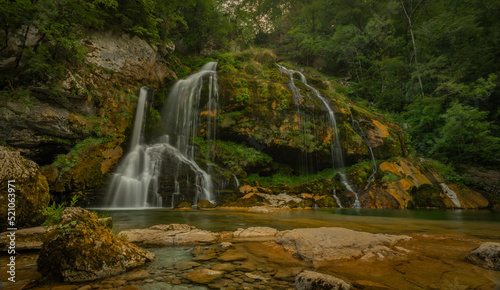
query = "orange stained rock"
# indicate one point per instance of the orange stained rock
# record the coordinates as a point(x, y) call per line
point(400, 189)
point(376, 133)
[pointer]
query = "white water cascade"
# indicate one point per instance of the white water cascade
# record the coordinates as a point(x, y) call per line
point(335, 146)
point(359, 130)
point(137, 180)
point(134, 185)
point(451, 194)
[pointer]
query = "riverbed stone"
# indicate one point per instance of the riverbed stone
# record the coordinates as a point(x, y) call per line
point(329, 244)
point(80, 248)
point(186, 265)
point(310, 280)
point(225, 267)
point(486, 256)
point(231, 256)
point(201, 253)
point(169, 235)
point(246, 267)
point(255, 232)
point(203, 276)
point(288, 274)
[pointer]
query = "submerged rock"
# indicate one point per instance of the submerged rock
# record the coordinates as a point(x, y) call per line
point(309, 280)
point(80, 248)
point(330, 244)
point(203, 276)
point(486, 256)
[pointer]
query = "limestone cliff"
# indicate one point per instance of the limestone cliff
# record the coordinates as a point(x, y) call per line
point(76, 127)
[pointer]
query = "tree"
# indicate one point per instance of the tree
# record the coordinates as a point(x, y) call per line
point(466, 137)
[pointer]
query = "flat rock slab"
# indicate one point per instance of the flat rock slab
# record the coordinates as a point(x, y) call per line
point(169, 235)
point(203, 276)
point(486, 256)
point(231, 256)
point(330, 244)
point(255, 232)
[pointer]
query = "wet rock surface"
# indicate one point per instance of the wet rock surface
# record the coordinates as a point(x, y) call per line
point(428, 262)
point(486, 256)
point(169, 235)
point(329, 244)
point(309, 280)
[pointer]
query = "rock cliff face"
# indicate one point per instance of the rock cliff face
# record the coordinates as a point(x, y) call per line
point(77, 127)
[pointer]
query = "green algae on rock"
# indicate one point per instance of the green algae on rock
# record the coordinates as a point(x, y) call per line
point(81, 248)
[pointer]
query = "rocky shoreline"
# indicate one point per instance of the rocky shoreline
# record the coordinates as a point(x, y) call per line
point(180, 256)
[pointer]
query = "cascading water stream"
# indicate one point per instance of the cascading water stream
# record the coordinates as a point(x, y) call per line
point(135, 185)
point(357, 128)
point(137, 180)
point(335, 146)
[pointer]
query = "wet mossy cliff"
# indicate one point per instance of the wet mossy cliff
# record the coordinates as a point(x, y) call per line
point(76, 127)
point(278, 140)
point(269, 138)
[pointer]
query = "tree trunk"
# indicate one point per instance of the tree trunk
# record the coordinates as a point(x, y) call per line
point(410, 25)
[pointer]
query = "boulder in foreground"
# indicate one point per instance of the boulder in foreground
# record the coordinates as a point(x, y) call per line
point(309, 280)
point(486, 256)
point(81, 248)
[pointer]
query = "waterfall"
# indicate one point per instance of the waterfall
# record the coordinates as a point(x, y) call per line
point(181, 114)
point(451, 194)
point(139, 118)
point(135, 183)
point(357, 128)
point(335, 146)
point(137, 180)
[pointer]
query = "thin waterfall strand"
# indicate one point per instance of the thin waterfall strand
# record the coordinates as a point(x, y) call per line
point(335, 146)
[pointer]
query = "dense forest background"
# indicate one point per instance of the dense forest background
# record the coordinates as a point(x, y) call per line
point(431, 66)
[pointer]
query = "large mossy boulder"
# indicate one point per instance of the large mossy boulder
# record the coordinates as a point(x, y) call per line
point(81, 248)
point(30, 188)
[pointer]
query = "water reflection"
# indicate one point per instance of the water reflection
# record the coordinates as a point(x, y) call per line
point(482, 224)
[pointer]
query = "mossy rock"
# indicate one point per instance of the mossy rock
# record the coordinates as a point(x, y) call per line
point(80, 248)
point(183, 204)
point(426, 195)
point(253, 200)
point(326, 201)
point(204, 204)
point(24, 179)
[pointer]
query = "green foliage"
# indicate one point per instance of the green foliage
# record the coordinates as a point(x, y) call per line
point(426, 196)
point(291, 180)
point(466, 137)
point(234, 156)
point(390, 177)
point(53, 213)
